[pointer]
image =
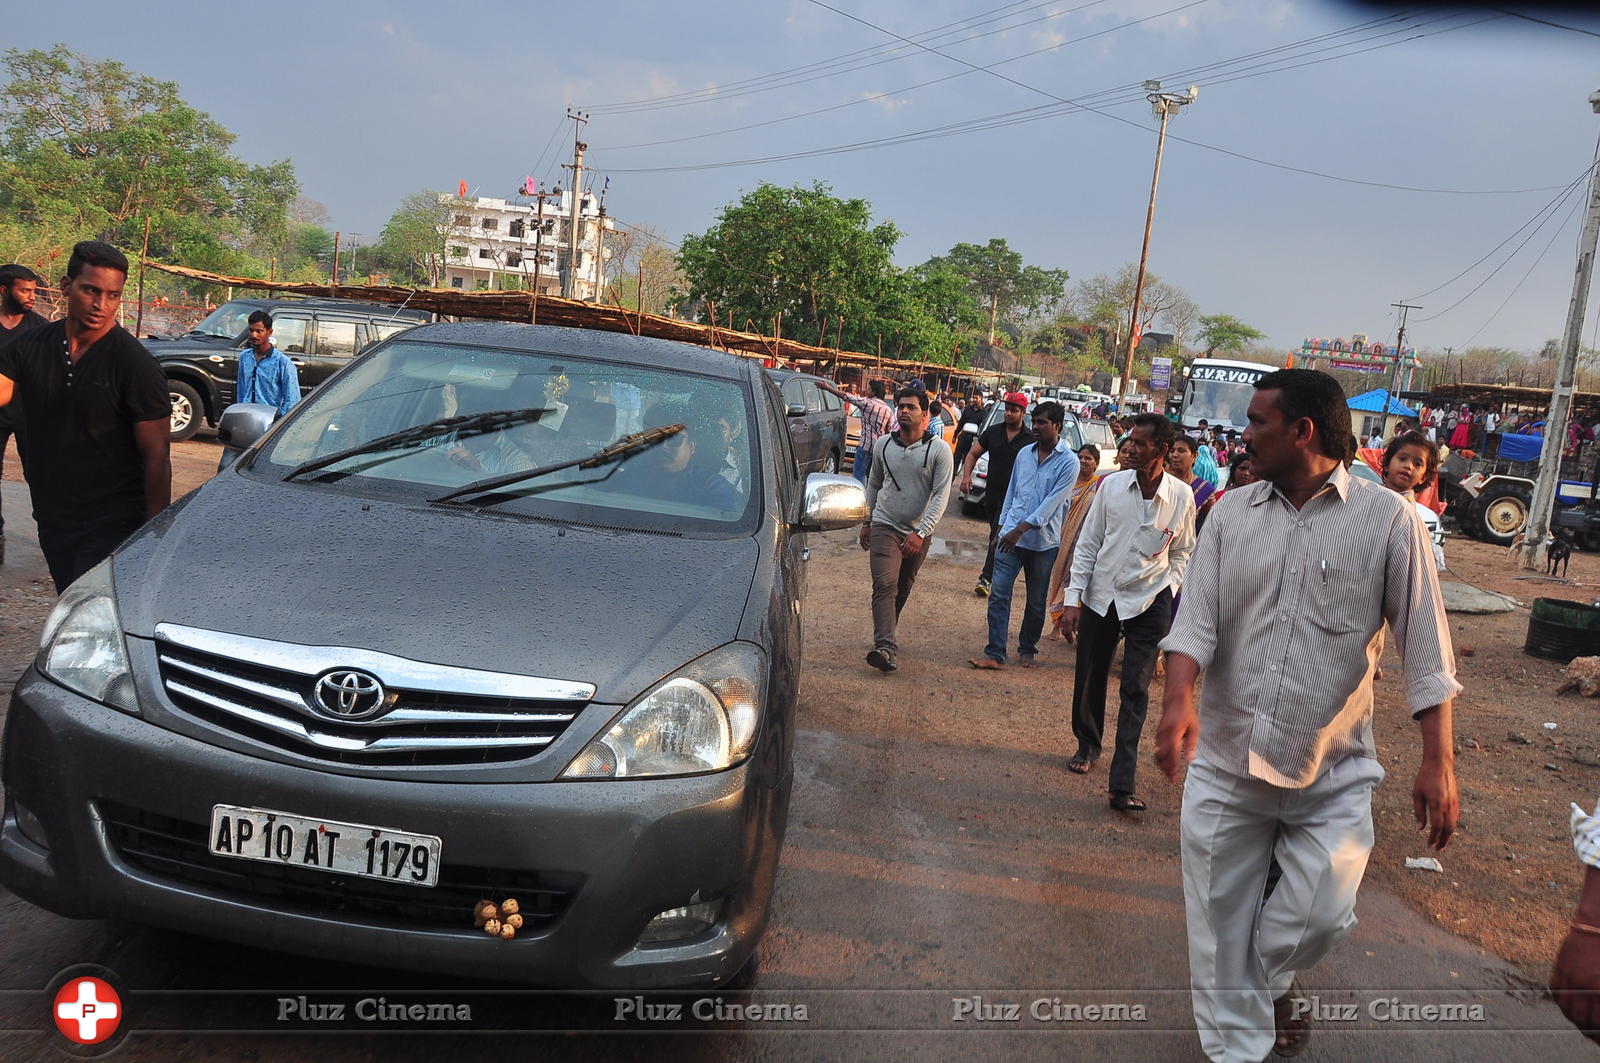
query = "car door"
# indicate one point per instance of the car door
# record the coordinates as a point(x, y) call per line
point(830, 426)
point(802, 431)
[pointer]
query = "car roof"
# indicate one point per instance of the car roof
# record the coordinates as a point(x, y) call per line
point(354, 306)
point(586, 343)
point(784, 374)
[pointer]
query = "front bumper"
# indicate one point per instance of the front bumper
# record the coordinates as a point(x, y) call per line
point(605, 857)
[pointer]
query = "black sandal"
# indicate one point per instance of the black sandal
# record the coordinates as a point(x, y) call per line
point(1080, 764)
point(1128, 803)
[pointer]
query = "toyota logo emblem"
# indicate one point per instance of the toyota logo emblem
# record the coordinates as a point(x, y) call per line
point(349, 695)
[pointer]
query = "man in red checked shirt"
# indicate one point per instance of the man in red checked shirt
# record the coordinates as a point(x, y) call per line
point(877, 419)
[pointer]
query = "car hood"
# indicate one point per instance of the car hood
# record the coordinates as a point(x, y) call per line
point(187, 345)
point(304, 564)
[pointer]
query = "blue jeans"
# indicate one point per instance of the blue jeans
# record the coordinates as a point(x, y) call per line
point(862, 465)
point(1035, 566)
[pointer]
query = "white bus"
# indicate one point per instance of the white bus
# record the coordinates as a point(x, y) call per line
point(1218, 391)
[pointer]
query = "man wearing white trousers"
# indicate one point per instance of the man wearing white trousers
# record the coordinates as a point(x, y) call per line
point(1283, 605)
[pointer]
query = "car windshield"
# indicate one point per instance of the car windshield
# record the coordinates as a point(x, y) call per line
point(227, 320)
point(698, 480)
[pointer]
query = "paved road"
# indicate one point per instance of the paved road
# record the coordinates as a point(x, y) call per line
point(940, 869)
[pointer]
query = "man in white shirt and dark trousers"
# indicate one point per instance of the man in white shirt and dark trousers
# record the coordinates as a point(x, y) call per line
point(1129, 562)
point(907, 486)
point(1284, 607)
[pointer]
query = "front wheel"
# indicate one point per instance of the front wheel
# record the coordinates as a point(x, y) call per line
point(187, 410)
point(830, 464)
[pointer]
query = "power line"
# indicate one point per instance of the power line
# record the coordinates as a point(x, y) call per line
point(844, 63)
point(1553, 204)
point(1506, 261)
point(909, 88)
point(1045, 111)
point(1548, 244)
point(1544, 21)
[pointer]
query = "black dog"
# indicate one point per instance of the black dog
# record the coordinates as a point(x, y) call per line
point(1557, 554)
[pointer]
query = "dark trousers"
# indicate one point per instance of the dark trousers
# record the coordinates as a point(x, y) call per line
point(994, 536)
point(72, 550)
point(893, 575)
point(1097, 643)
point(8, 431)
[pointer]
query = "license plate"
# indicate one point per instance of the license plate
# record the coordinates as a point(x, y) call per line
point(327, 845)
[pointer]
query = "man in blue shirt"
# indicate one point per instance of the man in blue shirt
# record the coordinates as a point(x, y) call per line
point(265, 373)
point(1030, 536)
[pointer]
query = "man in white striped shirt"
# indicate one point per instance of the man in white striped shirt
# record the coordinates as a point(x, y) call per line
point(1283, 604)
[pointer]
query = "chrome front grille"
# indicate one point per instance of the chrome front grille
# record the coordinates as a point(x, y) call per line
point(430, 715)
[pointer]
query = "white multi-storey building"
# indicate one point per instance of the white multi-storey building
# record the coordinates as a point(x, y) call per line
point(488, 242)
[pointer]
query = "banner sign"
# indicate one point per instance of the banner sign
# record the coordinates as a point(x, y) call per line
point(1160, 374)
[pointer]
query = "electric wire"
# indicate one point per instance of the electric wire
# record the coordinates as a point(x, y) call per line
point(1544, 22)
point(1108, 94)
point(1037, 113)
point(1548, 244)
point(1507, 260)
point(1553, 204)
point(873, 97)
point(846, 63)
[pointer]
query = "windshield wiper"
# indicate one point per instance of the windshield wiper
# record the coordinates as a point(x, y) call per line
point(628, 444)
point(469, 425)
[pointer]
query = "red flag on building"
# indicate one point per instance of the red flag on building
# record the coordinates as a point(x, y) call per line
point(461, 190)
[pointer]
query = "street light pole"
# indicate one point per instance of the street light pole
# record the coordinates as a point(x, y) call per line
point(1165, 105)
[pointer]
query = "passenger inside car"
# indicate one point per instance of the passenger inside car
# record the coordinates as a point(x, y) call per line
point(688, 466)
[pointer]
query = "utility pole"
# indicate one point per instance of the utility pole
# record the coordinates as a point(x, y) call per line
point(1399, 356)
point(1447, 353)
point(579, 120)
point(335, 260)
point(599, 246)
point(1537, 526)
point(1165, 104)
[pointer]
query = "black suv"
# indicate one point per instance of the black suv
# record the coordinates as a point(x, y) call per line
point(816, 421)
point(318, 335)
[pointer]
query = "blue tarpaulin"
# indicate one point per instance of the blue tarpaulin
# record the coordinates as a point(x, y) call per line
point(1520, 448)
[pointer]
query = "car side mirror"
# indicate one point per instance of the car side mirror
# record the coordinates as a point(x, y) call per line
point(832, 502)
point(795, 409)
point(241, 425)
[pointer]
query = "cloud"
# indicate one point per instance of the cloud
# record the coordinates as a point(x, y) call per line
point(885, 102)
point(388, 29)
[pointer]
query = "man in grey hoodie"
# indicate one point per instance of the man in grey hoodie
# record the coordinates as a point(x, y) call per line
point(907, 488)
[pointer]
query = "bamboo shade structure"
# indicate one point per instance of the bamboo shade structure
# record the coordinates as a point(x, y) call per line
point(520, 306)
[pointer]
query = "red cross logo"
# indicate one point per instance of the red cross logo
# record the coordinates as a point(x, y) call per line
point(87, 1010)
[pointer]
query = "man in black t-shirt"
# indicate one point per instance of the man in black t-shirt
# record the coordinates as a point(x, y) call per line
point(18, 287)
point(94, 409)
point(1001, 442)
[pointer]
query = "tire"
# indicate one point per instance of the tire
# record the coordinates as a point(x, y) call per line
point(187, 410)
point(1500, 513)
point(830, 464)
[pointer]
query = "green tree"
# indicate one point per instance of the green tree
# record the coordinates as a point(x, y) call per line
point(1000, 281)
point(799, 252)
point(412, 244)
point(1224, 332)
point(93, 149)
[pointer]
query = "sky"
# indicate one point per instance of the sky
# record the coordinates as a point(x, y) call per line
point(1478, 122)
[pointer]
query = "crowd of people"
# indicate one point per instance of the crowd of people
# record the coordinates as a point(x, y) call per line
point(1255, 558)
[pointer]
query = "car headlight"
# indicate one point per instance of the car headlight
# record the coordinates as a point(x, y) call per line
point(82, 647)
point(701, 718)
